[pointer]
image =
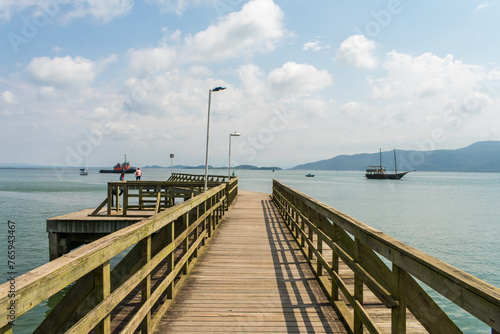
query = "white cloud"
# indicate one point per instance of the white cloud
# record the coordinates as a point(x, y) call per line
point(175, 6)
point(352, 107)
point(9, 97)
point(10, 7)
point(99, 10)
point(62, 72)
point(314, 46)
point(142, 61)
point(426, 75)
point(357, 51)
point(483, 5)
point(293, 78)
point(252, 78)
point(257, 28)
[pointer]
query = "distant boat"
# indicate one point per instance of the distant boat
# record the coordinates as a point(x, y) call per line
point(118, 168)
point(379, 172)
point(309, 175)
point(84, 171)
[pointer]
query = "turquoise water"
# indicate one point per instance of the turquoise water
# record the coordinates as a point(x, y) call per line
point(454, 217)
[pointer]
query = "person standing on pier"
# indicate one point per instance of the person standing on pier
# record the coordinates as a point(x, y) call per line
point(138, 174)
point(122, 176)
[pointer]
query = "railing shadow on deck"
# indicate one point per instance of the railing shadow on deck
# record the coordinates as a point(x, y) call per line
point(173, 238)
point(291, 298)
point(316, 225)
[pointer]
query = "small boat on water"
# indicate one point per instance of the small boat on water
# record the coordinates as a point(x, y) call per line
point(118, 168)
point(309, 175)
point(84, 171)
point(379, 172)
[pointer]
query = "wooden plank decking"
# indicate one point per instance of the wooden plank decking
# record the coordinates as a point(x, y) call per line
point(253, 278)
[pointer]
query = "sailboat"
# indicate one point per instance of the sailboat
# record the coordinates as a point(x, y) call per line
point(85, 170)
point(379, 172)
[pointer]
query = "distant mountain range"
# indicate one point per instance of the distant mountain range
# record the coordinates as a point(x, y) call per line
point(482, 156)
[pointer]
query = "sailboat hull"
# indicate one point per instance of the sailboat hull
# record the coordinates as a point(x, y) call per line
point(386, 176)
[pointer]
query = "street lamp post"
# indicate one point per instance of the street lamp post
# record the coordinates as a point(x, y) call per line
point(216, 89)
point(171, 164)
point(235, 134)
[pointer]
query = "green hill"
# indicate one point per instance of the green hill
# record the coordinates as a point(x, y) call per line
point(482, 156)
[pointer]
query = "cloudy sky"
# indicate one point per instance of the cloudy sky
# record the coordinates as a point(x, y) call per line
point(306, 80)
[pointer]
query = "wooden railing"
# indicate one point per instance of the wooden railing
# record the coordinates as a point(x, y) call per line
point(173, 239)
point(156, 195)
point(316, 226)
point(176, 177)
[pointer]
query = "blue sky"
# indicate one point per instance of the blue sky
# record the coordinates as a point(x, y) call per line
point(305, 80)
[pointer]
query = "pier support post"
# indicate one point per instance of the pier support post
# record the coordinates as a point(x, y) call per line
point(58, 245)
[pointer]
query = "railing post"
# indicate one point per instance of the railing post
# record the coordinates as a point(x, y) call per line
point(398, 313)
point(310, 236)
point(141, 199)
point(303, 226)
point(117, 199)
point(125, 199)
point(185, 242)
point(208, 224)
point(335, 263)
point(319, 248)
point(296, 217)
point(358, 286)
point(110, 199)
point(170, 258)
point(103, 289)
point(146, 284)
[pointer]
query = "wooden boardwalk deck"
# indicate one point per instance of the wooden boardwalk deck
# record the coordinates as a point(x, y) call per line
point(251, 278)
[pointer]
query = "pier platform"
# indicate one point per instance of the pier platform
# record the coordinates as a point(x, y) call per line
point(251, 278)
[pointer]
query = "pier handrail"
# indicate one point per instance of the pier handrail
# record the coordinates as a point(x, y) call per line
point(97, 289)
point(155, 195)
point(182, 177)
point(315, 224)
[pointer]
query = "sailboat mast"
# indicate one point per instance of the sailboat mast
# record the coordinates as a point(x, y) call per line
point(395, 165)
point(380, 157)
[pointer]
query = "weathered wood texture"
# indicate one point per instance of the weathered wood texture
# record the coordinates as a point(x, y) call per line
point(251, 278)
point(318, 227)
point(98, 291)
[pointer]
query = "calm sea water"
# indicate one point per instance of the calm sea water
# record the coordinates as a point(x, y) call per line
point(454, 217)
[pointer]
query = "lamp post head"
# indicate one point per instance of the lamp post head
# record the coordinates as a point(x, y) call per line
point(235, 134)
point(216, 89)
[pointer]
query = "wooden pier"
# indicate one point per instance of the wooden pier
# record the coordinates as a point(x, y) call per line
point(218, 262)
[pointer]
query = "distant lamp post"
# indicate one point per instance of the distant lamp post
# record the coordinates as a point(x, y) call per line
point(235, 134)
point(171, 164)
point(216, 89)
